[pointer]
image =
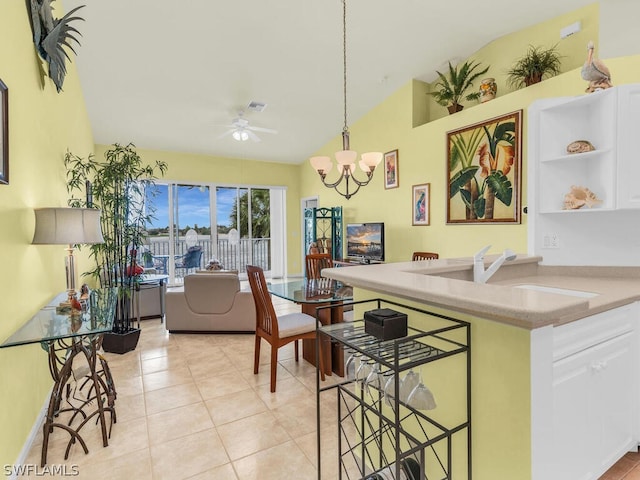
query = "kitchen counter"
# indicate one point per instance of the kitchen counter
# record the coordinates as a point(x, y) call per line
point(447, 283)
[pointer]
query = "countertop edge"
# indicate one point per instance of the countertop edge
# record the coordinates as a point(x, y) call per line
point(500, 301)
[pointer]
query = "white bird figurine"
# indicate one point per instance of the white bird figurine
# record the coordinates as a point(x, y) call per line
point(595, 72)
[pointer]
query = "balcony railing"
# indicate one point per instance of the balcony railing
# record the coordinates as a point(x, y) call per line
point(256, 251)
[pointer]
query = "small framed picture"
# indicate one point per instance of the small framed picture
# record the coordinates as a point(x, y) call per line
point(391, 174)
point(420, 204)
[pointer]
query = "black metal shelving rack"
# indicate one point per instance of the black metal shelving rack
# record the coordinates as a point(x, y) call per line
point(374, 436)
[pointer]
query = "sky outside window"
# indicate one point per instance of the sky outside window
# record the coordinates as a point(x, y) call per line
point(194, 206)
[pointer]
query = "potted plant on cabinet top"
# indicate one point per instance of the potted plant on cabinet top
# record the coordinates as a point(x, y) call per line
point(533, 66)
point(450, 90)
point(117, 186)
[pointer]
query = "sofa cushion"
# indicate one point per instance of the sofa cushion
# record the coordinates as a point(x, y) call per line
point(295, 324)
point(211, 293)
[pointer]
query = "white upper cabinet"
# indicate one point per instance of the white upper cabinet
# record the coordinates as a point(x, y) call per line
point(608, 120)
point(628, 146)
point(566, 120)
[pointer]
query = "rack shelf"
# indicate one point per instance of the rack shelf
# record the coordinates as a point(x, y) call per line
point(379, 430)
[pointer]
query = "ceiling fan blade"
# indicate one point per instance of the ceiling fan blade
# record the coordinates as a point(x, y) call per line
point(262, 129)
point(225, 134)
point(253, 136)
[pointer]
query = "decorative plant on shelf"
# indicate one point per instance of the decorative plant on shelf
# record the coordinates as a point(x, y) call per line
point(118, 186)
point(533, 66)
point(450, 90)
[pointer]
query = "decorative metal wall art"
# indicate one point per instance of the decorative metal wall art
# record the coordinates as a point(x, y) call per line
point(50, 36)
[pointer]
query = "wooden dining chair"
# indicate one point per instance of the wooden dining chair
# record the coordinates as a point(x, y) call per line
point(315, 262)
point(424, 256)
point(278, 331)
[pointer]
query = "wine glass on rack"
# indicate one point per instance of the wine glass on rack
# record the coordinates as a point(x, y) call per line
point(365, 368)
point(389, 387)
point(352, 364)
point(421, 398)
point(374, 379)
point(410, 381)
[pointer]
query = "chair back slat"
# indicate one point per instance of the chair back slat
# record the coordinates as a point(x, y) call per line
point(266, 319)
point(315, 262)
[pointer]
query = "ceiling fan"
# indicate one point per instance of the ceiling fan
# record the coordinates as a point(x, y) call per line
point(241, 131)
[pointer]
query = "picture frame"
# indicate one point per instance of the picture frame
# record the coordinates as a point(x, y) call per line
point(484, 171)
point(420, 204)
point(4, 134)
point(391, 172)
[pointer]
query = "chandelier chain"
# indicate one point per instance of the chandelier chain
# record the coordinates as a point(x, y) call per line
point(344, 61)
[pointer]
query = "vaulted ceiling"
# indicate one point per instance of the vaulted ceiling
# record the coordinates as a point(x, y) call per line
point(169, 75)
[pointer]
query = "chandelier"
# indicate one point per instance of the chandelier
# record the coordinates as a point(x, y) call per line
point(346, 158)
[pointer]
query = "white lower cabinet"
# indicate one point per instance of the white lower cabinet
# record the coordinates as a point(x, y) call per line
point(593, 408)
point(585, 400)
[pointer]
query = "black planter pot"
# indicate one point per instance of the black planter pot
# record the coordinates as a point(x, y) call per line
point(121, 342)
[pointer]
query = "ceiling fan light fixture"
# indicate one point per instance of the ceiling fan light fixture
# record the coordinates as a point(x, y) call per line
point(240, 135)
point(346, 158)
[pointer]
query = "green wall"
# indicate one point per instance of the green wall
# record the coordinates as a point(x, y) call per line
point(42, 125)
point(398, 123)
point(500, 54)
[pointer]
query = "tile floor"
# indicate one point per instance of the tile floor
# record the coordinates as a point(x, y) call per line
point(190, 407)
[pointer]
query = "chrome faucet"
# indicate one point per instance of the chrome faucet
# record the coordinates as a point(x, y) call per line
point(480, 275)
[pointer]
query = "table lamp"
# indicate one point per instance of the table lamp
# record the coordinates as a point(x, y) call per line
point(67, 226)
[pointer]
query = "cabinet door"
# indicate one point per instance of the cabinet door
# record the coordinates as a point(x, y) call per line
point(593, 408)
point(573, 413)
point(628, 151)
point(613, 370)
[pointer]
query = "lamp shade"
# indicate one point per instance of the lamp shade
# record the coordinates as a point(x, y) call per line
point(67, 226)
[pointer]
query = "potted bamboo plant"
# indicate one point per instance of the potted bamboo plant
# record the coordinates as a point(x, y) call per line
point(535, 65)
point(451, 88)
point(117, 186)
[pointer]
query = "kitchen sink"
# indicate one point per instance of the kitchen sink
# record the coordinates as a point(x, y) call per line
point(559, 291)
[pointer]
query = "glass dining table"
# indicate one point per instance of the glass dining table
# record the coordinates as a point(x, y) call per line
point(311, 294)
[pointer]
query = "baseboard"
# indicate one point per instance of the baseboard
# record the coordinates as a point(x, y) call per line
point(28, 444)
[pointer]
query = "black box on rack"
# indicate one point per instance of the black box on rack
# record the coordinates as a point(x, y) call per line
point(385, 323)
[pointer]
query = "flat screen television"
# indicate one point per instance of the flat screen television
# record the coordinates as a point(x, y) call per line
point(365, 241)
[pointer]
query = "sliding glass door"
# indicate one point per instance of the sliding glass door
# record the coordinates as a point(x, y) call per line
point(243, 226)
point(181, 239)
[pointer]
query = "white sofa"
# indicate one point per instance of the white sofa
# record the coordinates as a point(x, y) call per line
point(210, 303)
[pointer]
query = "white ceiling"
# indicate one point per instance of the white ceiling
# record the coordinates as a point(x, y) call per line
point(164, 74)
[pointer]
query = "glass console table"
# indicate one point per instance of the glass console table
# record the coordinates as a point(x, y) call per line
point(72, 341)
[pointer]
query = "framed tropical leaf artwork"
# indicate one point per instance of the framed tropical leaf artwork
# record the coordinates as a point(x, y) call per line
point(484, 163)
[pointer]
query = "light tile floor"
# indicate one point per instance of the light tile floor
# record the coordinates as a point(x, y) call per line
point(190, 407)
